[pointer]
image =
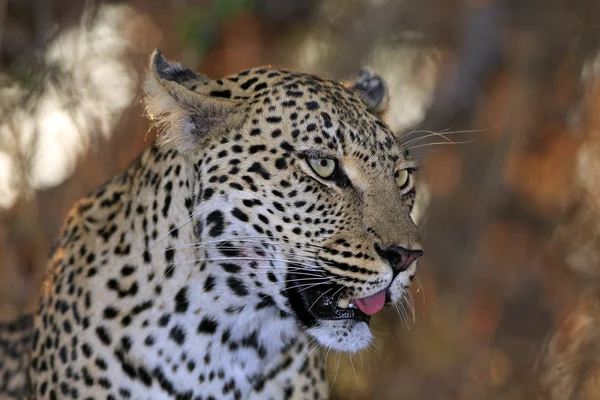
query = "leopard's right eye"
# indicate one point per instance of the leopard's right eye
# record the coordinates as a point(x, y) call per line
point(402, 176)
point(324, 167)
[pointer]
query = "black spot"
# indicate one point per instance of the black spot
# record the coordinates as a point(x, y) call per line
point(326, 120)
point(239, 214)
point(257, 168)
point(225, 336)
point(209, 283)
point(249, 83)
point(86, 349)
point(237, 286)
point(256, 148)
point(273, 120)
point(105, 383)
point(144, 376)
point(126, 343)
point(312, 105)
point(164, 320)
point(165, 209)
point(207, 326)
point(169, 254)
point(278, 206)
point(226, 94)
point(110, 312)
point(62, 354)
point(127, 270)
point(181, 301)
point(164, 383)
point(191, 365)
point(149, 341)
point(228, 249)
point(103, 335)
point(139, 308)
point(286, 146)
point(177, 334)
point(215, 218)
point(208, 192)
point(260, 86)
point(275, 133)
point(231, 268)
point(280, 163)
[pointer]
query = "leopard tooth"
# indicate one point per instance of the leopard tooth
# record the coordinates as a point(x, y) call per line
point(343, 303)
point(351, 305)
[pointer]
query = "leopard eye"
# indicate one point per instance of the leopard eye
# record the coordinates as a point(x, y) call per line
point(324, 167)
point(402, 177)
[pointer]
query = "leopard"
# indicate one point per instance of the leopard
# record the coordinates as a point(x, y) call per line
point(272, 217)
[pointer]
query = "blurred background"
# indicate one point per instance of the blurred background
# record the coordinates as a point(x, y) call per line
point(506, 305)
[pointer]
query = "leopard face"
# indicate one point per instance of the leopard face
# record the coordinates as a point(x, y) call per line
point(305, 198)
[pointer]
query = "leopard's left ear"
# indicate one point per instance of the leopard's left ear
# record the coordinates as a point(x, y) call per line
point(372, 90)
point(181, 104)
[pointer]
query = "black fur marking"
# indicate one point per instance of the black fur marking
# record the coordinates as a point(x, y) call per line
point(207, 326)
point(237, 286)
point(215, 219)
point(181, 301)
point(177, 334)
point(226, 94)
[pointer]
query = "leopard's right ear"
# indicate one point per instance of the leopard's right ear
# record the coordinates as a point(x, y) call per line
point(180, 103)
point(372, 90)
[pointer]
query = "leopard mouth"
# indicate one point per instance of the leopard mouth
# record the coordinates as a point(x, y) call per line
point(327, 302)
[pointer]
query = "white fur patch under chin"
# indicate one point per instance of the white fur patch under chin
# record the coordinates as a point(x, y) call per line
point(344, 335)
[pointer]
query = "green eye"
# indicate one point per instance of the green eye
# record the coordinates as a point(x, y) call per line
point(402, 177)
point(324, 167)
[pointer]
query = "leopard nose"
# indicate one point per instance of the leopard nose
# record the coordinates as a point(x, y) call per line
point(398, 257)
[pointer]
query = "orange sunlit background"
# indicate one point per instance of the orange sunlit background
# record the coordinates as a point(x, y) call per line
point(506, 305)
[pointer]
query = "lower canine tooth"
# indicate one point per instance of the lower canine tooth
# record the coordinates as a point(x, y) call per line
point(350, 305)
point(343, 303)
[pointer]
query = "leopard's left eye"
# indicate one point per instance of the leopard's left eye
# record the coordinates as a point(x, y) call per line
point(324, 167)
point(402, 177)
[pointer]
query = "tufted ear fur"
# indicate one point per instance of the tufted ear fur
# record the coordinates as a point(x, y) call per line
point(178, 101)
point(372, 90)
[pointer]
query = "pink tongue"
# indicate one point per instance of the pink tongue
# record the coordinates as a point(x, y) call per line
point(372, 304)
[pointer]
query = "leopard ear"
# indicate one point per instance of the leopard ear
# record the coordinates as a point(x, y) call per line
point(372, 90)
point(178, 101)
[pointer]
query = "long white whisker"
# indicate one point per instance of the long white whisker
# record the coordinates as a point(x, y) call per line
point(418, 139)
point(337, 368)
point(311, 351)
point(219, 259)
point(438, 144)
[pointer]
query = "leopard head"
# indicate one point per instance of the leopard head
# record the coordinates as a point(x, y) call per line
point(304, 200)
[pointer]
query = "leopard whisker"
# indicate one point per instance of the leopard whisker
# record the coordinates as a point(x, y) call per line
point(318, 298)
point(420, 138)
point(218, 259)
point(439, 144)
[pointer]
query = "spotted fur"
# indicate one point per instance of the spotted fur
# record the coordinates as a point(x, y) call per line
point(190, 275)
